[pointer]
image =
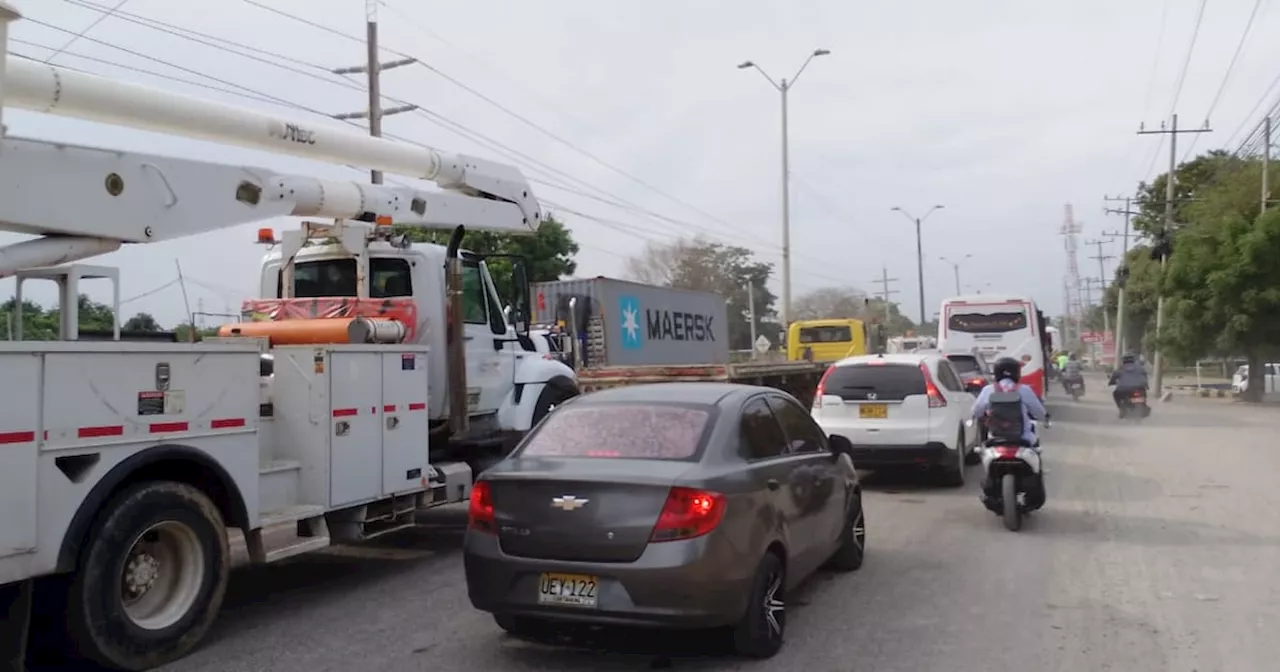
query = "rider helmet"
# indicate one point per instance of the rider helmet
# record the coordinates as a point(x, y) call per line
point(1128, 358)
point(1007, 368)
point(1071, 357)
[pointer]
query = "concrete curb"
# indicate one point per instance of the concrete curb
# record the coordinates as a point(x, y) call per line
point(1198, 393)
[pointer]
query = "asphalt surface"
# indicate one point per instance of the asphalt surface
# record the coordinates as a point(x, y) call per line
point(1153, 554)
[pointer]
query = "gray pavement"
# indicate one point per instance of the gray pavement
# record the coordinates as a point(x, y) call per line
point(1153, 554)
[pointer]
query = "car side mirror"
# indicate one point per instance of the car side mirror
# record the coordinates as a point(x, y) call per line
point(840, 445)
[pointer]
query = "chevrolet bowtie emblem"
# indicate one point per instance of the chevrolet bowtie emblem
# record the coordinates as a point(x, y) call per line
point(568, 502)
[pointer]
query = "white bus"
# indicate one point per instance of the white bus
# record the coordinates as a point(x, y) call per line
point(998, 326)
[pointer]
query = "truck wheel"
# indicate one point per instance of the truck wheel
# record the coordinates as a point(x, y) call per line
point(151, 577)
point(554, 394)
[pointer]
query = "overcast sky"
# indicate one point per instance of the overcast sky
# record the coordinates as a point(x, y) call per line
point(1002, 111)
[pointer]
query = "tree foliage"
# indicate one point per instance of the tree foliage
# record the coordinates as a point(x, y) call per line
point(1222, 279)
point(847, 302)
point(39, 324)
point(549, 252)
point(727, 270)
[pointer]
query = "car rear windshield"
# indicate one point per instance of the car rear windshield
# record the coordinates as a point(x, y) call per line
point(993, 323)
point(826, 334)
point(628, 431)
point(882, 382)
point(965, 364)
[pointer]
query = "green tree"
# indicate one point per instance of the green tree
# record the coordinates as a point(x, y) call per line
point(1141, 287)
point(726, 270)
point(549, 252)
point(39, 324)
point(141, 322)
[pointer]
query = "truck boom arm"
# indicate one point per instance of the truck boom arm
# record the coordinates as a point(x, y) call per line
point(89, 201)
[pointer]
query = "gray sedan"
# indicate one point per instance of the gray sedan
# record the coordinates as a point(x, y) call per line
point(678, 505)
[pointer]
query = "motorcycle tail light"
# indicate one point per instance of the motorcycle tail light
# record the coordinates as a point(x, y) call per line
point(1006, 452)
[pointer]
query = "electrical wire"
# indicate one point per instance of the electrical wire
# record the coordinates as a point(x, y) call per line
point(1182, 78)
point(74, 38)
point(1235, 56)
point(259, 96)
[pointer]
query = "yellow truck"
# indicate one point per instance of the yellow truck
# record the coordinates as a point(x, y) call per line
point(826, 340)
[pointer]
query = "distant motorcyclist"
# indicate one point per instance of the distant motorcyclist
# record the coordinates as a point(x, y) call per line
point(1128, 378)
point(1007, 372)
point(1071, 371)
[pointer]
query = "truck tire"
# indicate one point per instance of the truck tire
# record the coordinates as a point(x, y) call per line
point(151, 577)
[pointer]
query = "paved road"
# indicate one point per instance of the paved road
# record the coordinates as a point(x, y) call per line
point(1153, 554)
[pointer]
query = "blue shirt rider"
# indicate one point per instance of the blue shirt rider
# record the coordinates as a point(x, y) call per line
point(1008, 373)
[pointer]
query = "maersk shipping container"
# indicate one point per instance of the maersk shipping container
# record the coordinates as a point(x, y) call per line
point(624, 323)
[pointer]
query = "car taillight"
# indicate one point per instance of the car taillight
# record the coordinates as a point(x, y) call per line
point(480, 512)
point(977, 381)
point(935, 396)
point(822, 387)
point(688, 513)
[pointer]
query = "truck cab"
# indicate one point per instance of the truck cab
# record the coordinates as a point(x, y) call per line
point(509, 386)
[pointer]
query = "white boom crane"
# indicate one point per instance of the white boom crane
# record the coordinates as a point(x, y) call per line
point(87, 201)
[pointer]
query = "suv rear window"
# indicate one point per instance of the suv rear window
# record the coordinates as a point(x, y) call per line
point(965, 364)
point(887, 382)
point(627, 431)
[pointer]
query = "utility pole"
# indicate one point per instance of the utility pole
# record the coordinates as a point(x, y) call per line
point(374, 69)
point(751, 308)
point(1266, 160)
point(1124, 263)
point(1167, 230)
point(1102, 278)
point(885, 293)
point(919, 251)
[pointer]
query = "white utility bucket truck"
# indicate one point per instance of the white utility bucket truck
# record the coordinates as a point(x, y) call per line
point(124, 465)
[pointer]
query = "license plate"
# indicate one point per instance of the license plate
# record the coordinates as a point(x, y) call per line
point(873, 411)
point(572, 590)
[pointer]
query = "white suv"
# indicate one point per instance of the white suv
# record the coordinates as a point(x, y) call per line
point(899, 410)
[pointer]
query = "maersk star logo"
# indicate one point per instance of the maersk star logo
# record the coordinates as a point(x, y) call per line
point(629, 310)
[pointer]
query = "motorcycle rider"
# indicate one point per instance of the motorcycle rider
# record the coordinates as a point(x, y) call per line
point(1007, 372)
point(1128, 378)
point(1008, 375)
point(1071, 372)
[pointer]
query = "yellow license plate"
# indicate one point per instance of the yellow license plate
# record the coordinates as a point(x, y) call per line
point(570, 590)
point(873, 411)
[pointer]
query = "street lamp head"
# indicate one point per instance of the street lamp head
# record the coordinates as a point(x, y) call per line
point(939, 207)
point(746, 64)
point(820, 52)
point(895, 209)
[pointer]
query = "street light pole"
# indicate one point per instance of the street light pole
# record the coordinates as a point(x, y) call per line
point(919, 250)
point(783, 88)
point(955, 265)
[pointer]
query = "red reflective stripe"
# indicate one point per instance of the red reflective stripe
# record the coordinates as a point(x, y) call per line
point(418, 407)
point(17, 437)
point(99, 432)
point(165, 427)
point(389, 408)
point(344, 412)
point(226, 423)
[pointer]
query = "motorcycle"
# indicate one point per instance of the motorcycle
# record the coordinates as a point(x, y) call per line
point(1014, 484)
point(1075, 387)
point(1134, 405)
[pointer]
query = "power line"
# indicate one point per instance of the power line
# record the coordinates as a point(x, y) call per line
point(75, 37)
point(232, 88)
point(446, 123)
point(1244, 37)
point(1182, 78)
point(504, 109)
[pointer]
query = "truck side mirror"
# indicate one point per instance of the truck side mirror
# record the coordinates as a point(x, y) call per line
point(518, 316)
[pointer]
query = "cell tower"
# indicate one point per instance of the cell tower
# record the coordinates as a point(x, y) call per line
point(1071, 284)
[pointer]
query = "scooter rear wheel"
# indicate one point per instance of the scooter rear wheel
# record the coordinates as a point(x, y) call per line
point(1009, 497)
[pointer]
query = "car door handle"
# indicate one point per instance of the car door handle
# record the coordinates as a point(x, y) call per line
point(772, 484)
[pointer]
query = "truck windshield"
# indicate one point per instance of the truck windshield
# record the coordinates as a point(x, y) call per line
point(388, 277)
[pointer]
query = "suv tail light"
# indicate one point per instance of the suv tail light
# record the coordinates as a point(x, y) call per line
point(688, 513)
point(822, 387)
point(936, 399)
point(480, 515)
